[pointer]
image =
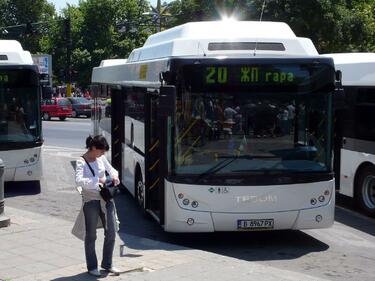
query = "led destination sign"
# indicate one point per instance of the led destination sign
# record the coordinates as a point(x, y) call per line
point(265, 77)
point(18, 77)
point(254, 75)
point(4, 78)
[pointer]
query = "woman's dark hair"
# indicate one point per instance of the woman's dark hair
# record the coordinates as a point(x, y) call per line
point(98, 141)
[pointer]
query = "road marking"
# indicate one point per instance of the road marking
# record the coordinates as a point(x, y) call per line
point(61, 148)
point(66, 152)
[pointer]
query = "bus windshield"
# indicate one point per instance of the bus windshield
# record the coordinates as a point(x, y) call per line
point(19, 109)
point(235, 131)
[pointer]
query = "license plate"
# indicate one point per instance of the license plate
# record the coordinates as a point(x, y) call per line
point(65, 108)
point(255, 224)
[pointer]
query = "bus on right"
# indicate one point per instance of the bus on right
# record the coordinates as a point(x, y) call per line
point(355, 129)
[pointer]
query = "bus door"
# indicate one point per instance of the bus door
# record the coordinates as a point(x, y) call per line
point(153, 178)
point(160, 109)
point(115, 111)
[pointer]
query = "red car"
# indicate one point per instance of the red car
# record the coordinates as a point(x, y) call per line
point(56, 107)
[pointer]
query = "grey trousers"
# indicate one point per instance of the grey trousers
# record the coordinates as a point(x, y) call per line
point(93, 212)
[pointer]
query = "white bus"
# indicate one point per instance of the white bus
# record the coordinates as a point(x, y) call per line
point(355, 129)
point(223, 126)
point(20, 118)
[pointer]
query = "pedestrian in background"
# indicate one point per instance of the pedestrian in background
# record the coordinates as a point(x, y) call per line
point(90, 175)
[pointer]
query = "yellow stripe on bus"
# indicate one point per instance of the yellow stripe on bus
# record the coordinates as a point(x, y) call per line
point(154, 184)
point(197, 139)
point(153, 166)
point(186, 131)
point(153, 147)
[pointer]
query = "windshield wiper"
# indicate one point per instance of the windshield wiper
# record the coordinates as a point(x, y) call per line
point(219, 166)
point(228, 160)
point(254, 156)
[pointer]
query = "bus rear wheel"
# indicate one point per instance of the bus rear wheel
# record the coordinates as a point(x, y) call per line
point(46, 116)
point(365, 190)
point(140, 190)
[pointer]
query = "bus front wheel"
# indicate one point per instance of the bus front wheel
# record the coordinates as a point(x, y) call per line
point(365, 190)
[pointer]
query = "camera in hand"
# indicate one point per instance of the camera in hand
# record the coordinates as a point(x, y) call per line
point(109, 181)
point(108, 191)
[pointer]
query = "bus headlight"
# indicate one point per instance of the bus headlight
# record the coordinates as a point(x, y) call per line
point(194, 204)
point(186, 201)
point(313, 201)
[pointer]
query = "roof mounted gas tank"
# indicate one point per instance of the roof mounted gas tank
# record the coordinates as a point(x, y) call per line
point(11, 52)
point(233, 38)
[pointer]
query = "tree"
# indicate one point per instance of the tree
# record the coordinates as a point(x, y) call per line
point(96, 37)
point(333, 26)
point(27, 18)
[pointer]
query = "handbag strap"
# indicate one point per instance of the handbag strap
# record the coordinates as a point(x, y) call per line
point(91, 169)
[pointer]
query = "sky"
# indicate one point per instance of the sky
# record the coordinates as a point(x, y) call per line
point(60, 4)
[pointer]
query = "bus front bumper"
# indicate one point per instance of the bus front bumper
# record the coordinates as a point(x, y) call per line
point(28, 173)
point(196, 221)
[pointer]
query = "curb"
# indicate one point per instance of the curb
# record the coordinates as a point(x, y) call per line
point(4, 221)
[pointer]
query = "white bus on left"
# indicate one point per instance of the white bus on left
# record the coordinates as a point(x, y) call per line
point(20, 118)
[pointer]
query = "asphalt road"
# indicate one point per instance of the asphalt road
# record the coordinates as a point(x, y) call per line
point(70, 133)
point(345, 251)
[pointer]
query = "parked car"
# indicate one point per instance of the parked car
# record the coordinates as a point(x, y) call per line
point(56, 107)
point(80, 106)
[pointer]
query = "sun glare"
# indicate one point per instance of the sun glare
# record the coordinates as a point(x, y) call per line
point(226, 18)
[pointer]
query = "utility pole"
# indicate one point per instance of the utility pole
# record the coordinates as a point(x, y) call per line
point(68, 71)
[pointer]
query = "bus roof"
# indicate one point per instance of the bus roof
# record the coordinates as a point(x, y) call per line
point(358, 69)
point(11, 52)
point(215, 38)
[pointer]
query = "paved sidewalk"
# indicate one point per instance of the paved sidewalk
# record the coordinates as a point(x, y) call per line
point(39, 247)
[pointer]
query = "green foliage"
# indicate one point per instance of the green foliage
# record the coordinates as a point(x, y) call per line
point(16, 14)
point(333, 26)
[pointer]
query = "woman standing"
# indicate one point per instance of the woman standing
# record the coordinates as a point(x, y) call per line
point(91, 171)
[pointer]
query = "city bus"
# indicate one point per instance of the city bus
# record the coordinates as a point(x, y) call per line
point(223, 126)
point(20, 118)
point(355, 129)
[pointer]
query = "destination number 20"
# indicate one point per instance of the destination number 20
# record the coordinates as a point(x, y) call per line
point(216, 75)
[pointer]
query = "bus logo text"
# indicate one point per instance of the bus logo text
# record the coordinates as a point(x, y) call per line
point(219, 190)
point(256, 199)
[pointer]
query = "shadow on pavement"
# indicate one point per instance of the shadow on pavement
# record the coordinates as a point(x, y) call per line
point(81, 277)
point(249, 246)
point(348, 214)
point(13, 189)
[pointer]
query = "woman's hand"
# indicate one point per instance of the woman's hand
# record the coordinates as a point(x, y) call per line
point(116, 181)
point(102, 180)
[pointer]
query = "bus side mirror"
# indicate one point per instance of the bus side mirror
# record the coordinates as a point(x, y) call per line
point(339, 100)
point(167, 100)
point(338, 78)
